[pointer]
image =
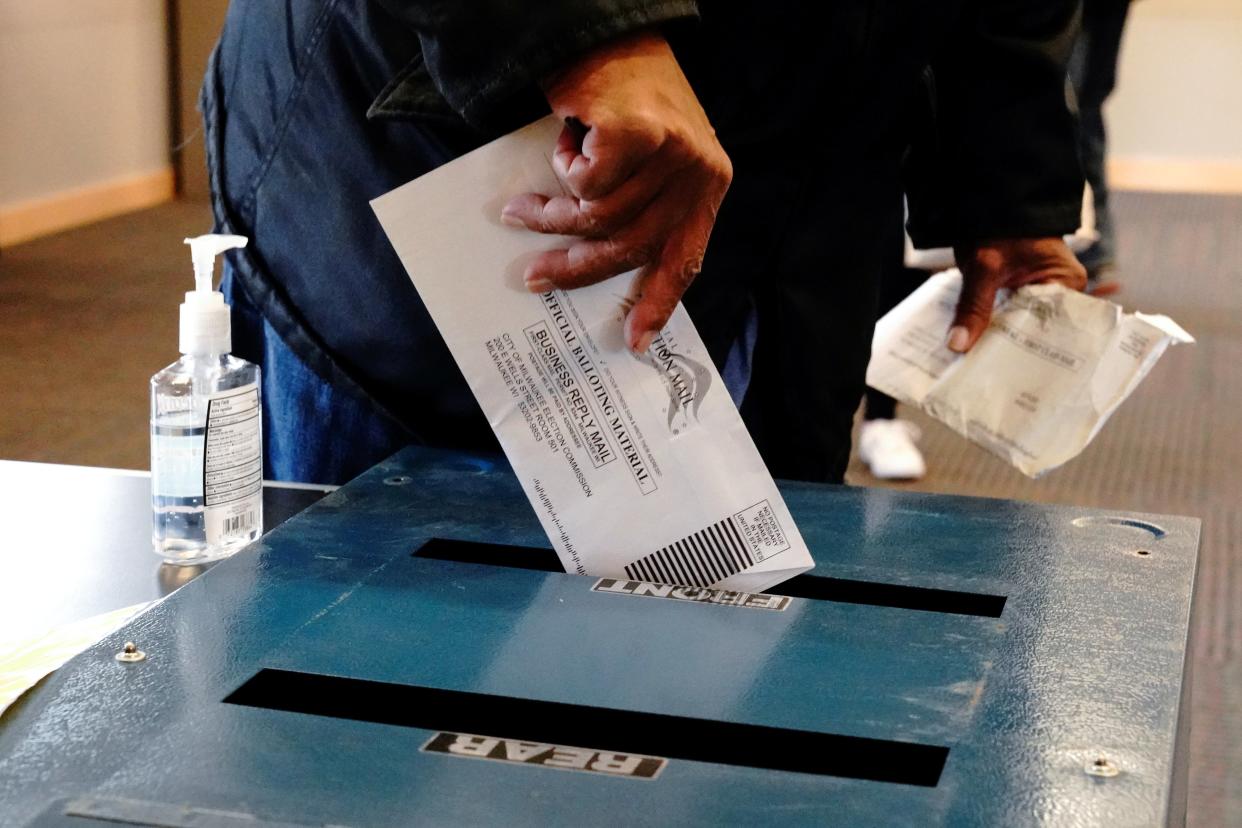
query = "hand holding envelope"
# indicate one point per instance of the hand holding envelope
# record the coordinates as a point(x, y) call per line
point(642, 176)
point(638, 465)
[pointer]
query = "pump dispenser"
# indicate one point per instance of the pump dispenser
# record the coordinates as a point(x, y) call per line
point(206, 430)
point(204, 316)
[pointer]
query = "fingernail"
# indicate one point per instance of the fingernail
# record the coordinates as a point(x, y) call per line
point(958, 338)
point(510, 218)
point(644, 342)
point(539, 285)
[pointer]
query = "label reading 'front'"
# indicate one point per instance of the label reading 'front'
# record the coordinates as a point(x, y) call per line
point(561, 757)
point(700, 595)
point(233, 464)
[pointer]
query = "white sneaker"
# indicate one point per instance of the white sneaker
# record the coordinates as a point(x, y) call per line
point(887, 447)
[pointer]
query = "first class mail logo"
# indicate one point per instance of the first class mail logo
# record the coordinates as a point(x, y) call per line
point(559, 757)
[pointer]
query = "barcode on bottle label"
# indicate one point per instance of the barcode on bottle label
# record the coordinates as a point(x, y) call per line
point(239, 524)
point(237, 520)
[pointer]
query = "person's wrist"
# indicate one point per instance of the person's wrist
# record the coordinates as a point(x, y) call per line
point(570, 75)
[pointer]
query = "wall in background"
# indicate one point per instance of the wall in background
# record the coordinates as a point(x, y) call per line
point(1176, 119)
point(196, 27)
point(85, 104)
point(84, 97)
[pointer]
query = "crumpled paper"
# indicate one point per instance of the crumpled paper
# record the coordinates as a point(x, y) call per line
point(1039, 384)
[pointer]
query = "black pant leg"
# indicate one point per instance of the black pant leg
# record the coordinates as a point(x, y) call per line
point(1093, 72)
point(816, 313)
point(896, 283)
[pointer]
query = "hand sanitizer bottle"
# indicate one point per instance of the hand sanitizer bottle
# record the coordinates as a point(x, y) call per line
point(206, 430)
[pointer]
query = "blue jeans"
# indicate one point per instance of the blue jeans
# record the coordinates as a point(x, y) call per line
point(313, 432)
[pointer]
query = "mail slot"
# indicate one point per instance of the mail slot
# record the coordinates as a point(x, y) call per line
point(812, 587)
point(614, 732)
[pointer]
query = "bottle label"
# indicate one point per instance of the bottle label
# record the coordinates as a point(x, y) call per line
point(233, 464)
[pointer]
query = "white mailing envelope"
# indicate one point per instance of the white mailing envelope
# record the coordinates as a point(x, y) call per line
point(1039, 384)
point(638, 468)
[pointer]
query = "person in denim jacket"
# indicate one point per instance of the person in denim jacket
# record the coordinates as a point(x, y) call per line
point(773, 129)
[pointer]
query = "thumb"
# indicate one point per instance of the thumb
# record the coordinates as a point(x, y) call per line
point(974, 311)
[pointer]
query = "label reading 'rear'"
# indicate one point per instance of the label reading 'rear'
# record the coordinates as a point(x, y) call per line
point(559, 757)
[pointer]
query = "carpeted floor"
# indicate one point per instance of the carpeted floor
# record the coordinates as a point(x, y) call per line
point(87, 316)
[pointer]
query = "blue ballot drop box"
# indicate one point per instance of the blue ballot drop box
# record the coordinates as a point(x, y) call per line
point(408, 652)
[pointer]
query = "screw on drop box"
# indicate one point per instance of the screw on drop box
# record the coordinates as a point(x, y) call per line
point(206, 430)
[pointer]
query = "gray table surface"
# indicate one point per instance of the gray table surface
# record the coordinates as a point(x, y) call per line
point(75, 541)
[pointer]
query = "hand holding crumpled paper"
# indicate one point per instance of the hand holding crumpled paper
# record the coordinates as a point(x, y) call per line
point(1040, 382)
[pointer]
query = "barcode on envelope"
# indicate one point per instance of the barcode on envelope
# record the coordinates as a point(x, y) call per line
point(700, 559)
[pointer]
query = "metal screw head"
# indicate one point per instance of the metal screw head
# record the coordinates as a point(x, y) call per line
point(1102, 767)
point(398, 480)
point(130, 654)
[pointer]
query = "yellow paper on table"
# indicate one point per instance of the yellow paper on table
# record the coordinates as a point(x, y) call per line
point(23, 663)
